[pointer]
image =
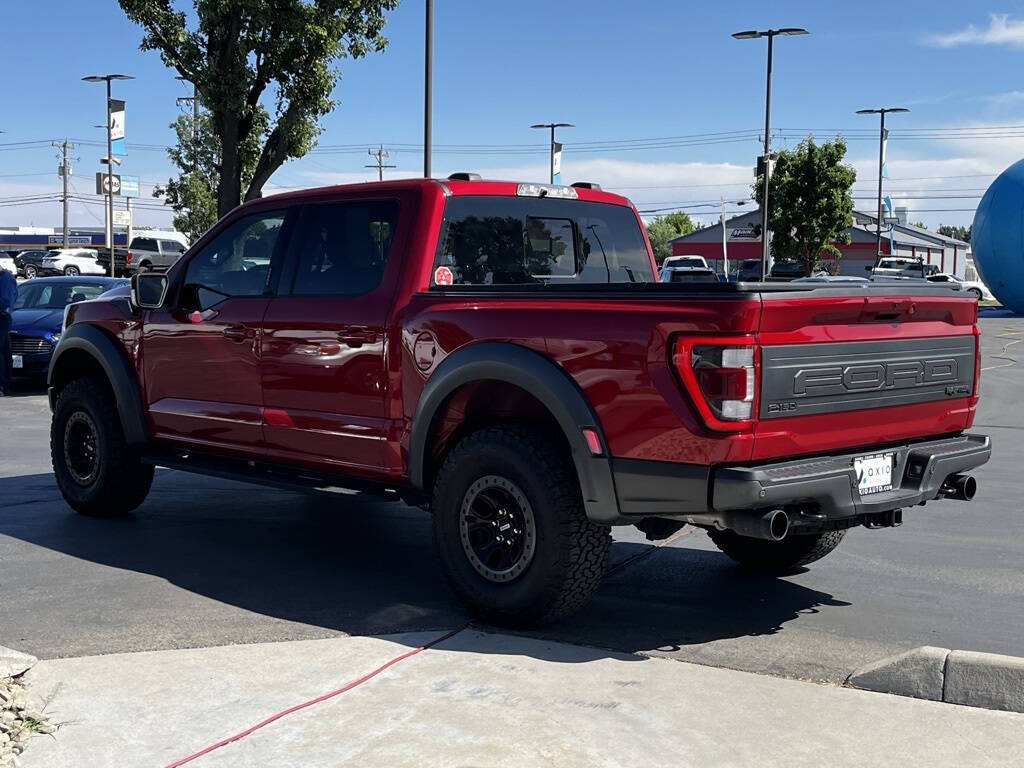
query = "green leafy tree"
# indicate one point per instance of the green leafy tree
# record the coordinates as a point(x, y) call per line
point(242, 53)
point(958, 232)
point(662, 229)
point(810, 205)
point(197, 156)
point(918, 224)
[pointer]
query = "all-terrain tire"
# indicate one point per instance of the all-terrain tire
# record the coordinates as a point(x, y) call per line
point(116, 481)
point(776, 558)
point(570, 552)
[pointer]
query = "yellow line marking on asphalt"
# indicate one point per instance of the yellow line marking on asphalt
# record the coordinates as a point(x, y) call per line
point(1008, 333)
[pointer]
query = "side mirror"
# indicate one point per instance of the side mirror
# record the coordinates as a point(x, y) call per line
point(148, 290)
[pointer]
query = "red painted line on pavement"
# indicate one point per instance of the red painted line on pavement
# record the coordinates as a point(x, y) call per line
point(330, 694)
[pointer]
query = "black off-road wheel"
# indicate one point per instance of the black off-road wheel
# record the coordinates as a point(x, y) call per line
point(97, 472)
point(776, 558)
point(510, 528)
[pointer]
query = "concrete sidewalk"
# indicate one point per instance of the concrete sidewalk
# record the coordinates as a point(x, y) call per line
point(485, 700)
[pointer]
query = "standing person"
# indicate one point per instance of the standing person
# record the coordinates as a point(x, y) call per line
point(8, 295)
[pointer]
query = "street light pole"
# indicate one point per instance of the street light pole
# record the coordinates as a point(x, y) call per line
point(770, 34)
point(881, 162)
point(109, 229)
point(551, 158)
point(428, 85)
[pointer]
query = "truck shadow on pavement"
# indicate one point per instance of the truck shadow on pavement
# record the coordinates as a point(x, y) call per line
point(356, 565)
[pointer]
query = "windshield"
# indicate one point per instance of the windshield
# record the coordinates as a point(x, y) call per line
point(55, 295)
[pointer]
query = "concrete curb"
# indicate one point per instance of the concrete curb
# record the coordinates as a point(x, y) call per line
point(970, 678)
point(14, 663)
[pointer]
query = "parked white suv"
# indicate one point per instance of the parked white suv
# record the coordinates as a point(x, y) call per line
point(72, 261)
point(678, 262)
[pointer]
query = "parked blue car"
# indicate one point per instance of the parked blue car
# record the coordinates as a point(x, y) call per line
point(38, 315)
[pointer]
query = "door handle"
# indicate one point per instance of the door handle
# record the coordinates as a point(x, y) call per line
point(237, 332)
point(356, 336)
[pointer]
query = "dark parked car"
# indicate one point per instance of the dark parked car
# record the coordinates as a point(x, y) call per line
point(784, 271)
point(687, 275)
point(39, 312)
point(749, 271)
point(29, 262)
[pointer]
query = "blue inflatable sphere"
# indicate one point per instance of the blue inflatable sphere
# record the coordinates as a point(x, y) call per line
point(997, 238)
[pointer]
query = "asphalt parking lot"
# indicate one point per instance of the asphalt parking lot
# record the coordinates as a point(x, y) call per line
point(208, 562)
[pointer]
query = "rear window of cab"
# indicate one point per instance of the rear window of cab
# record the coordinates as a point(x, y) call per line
point(527, 240)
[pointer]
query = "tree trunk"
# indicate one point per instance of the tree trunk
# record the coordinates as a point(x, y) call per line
point(273, 154)
point(229, 190)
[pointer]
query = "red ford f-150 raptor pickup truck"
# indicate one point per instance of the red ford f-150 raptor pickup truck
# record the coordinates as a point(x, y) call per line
point(504, 355)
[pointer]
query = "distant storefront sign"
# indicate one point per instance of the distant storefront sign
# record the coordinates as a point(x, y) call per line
point(72, 240)
point(102, 183)
point(129, 186)
point(743, 233)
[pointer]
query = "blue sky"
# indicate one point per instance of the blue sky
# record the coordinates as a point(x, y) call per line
point(619, 71)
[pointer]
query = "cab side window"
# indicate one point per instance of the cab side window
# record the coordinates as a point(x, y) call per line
point(236, 263)
point(343, 247)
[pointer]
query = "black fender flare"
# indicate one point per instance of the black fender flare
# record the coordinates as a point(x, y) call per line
point(112, 358)
point(542, 378)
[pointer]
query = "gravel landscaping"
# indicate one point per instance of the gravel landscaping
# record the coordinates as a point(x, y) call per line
point(21, 715)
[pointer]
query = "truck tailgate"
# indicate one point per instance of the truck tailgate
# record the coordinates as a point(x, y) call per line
point(842, 371)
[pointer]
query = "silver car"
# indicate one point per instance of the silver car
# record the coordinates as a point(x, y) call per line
point(147, 254)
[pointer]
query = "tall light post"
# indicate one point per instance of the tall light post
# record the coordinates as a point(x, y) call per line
point(428, 84)
point(109, 230)
point(551, 127)
point(881, 112)
point(752, 34)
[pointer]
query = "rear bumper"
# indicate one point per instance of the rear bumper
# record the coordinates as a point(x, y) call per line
point(830, 483)
point(823, 485)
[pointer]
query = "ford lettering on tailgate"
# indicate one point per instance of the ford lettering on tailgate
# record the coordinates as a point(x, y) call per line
point(826, 378)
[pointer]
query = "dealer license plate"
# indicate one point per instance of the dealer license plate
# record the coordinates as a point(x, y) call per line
point(17, 361)
point(874, 473)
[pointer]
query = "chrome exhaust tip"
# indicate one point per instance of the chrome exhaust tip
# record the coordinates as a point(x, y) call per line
point(772, 525)
point(960, 487)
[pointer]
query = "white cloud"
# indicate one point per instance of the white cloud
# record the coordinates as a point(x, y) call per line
point(1001, 30)
point(1006, 98)
point(647, 184)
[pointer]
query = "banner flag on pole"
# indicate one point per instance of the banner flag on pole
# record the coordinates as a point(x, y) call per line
point(115, 116)
point(885, 144)
point(888, 204)
point(557, 177)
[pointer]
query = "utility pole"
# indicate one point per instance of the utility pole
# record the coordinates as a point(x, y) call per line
point(551, 127)
point(65, 172)
point(128, 236)
point(381, 154)
point(194, 101)
point(882, 135)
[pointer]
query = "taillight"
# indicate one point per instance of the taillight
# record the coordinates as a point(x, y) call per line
point(128, 257)
point(722, 380)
